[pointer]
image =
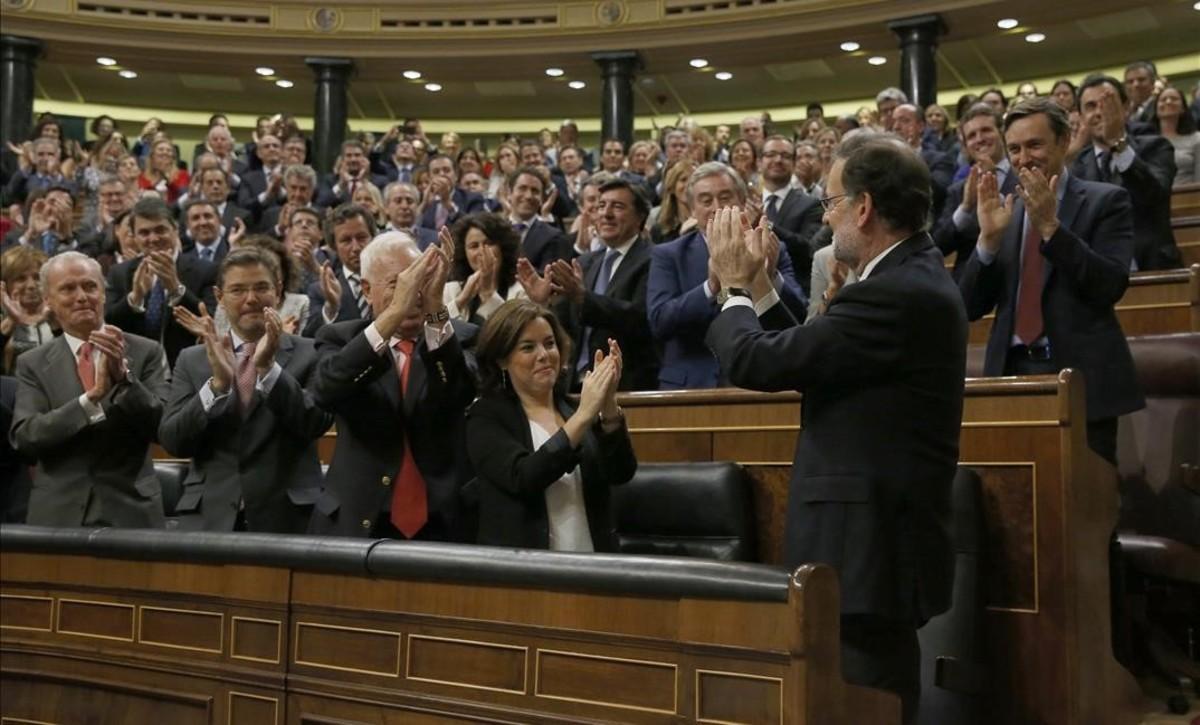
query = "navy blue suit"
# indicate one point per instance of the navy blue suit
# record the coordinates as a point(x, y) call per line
point(680, 311)
point(468, 202)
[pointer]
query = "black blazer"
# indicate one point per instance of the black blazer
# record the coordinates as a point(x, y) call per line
point(949, 238)
point(1148, 181)
point(798, 220)
point(1086, 272)
point(198, 278)
point(619, 313)
point(361, 388)
point(468, 202)
point(882, 374)
point(545, 243)
point(254, 183)
point(941, 175)
point(347, 306)
point(512, 477)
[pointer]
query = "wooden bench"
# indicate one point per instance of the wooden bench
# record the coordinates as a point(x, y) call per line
point(1156, 303)
point(1185, 200)
point(121, 626)
point(1187, 238)
point(1050, 508)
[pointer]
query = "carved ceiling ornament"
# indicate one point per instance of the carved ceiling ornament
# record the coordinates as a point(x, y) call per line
point(611, 12)
point(16, 4)
point(326, 20)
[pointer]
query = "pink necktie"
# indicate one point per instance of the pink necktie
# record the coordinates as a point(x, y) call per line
point(410, 507)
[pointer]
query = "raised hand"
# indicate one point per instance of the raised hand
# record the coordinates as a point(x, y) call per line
point(1113, 114)
point(143, 280)
point(435, 285)
point(331, 289)
point(550, 201)
point(994, 212)
point(218, 349)
point(291, 324)
point(406, 297)
point(17, 313)
point(489, 266)
point(970, 188)
point(735, 262)
point(189, 321)
point(596, 384)
point(567, 279)
point(268, 344)
point(537, 287)
point(111, 342)
point(237, 232)
point(1040, 203)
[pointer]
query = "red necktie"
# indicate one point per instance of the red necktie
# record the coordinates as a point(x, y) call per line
point(1029, 301)
point(85, 367)
point(246, 377)
point(410, 508)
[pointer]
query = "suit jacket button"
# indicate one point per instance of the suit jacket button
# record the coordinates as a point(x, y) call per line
point(366, 523)
point(386, 481)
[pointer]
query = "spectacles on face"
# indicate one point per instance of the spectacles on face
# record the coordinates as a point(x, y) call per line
point(829, 202)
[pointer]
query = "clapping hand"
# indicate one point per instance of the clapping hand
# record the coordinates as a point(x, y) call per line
point(567, 279)
point(331, 289)
point(111, 342)
point(1041, 205)
point(268, 344)
point(994, 212)
point(538, 287)
point(17, 313)
point(551, 200)
point(738, 255)
point(219, 349)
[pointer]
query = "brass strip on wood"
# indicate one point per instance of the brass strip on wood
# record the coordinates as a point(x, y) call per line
point(199, 613)
point(233, 622)
point(741, 675)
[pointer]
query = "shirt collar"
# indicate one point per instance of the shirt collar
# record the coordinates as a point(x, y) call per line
point(624, 248)
point(74, 342)
point(875, 262)
point(780, 192)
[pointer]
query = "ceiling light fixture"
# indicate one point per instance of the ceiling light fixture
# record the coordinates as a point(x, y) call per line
point(433, 87)
point(877, 60)
point(106, 61)
point(554, 72)
point(723, 75)
point(262, 70)
point(697, 62)
point(1007, 23)
point(412, 75)
point(1035, 37)
point(1196, 6)
point(128, 74)
point(850, 46)
point(284, 83)
point(577, 85)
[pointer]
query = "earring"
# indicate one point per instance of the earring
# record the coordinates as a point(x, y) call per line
point(503, 378)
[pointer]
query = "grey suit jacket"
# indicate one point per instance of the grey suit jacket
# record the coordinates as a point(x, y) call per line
point(268, 460)
point(76, 460)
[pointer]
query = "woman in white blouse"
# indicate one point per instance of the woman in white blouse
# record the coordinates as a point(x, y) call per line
point(484, 272)
point(1175, 123)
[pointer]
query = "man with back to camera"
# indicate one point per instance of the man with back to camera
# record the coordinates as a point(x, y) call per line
point(870, 486)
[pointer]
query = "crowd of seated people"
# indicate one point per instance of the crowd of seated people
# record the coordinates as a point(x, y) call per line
point(261, 301)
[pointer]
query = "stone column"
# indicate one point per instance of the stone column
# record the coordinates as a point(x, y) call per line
point(18, 60)
point(616, 107)
point(329, 111)
point(918, 60)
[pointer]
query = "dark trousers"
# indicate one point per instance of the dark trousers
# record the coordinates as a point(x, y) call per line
point(885, 654)
point(1101, 433)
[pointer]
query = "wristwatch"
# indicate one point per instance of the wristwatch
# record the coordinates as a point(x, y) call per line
point(438, 317)
point(727, 292)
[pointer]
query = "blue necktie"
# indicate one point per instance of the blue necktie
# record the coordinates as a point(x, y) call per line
point(599, 287)
point(206, 254)
point(520, 227)
point(49, 243)
point(154, 310)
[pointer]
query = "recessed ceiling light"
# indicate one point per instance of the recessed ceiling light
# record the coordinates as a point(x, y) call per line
point(723, 75)
point(1035, 37)
point(433, 87)
point(1007, 23)
point(106, 61)
point(850, 46)
point(412, 75)
point(284, 83)
point(1196, 6)
point(128, 74)
point(877, 60)
point(554, 72)
point(577, 85)
point(697, 62)
point(262, 70)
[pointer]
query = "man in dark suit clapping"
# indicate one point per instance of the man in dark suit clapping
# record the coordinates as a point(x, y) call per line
point(882, 376)
point(399, 386)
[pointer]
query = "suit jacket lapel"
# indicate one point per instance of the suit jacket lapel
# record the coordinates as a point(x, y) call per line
point(593, 270)
point(630, 263)
point(62, 371)
point(695, 261)
point(896, 257)
point(287, 346)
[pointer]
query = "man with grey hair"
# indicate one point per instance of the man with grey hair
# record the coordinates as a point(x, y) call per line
point(682, 293)
point(886, 102)
point(401, 200)
point(752, 130)
point(88, 406)
point(398, 385)
point(300, 189)
point(42, 175)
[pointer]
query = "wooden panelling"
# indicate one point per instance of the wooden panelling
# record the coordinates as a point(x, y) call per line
point(1010, 567)
point(182, 629)
point(731, 697)
point(608, 681)
point(1185, 200)
point(246, 708)
point(467, 663)
point(770, 509)
point(347, 649)
point(103, 620)
point(258, 640)
point(19, 611)
point(71, 698)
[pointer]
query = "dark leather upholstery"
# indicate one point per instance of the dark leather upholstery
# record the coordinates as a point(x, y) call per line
point(703, 510)
point(953, 674)
point(667, 577)
point(170, 476)
point(1162, 558)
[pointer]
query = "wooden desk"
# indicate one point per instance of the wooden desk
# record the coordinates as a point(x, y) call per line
point(1156, 303)
point(1050, 507)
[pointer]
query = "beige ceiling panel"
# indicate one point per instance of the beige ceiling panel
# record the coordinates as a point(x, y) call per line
point(200, 82)
point(505, 88)
point(1110, 26)
point(800, 70)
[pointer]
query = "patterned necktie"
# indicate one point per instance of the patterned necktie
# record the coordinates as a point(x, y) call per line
point(154, 310)
point(410, 506)
point(206, 254)
point(1104, 163)
point(600, 287)
point(440, 214)
point(246, 377)
point(360, 300)
point(1029, 301)
point(773, 208)
point(86, 367)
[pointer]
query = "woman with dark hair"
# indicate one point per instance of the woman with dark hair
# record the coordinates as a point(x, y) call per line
point(102, 127)
point(1064, 94)
point(995, 98)
point(484, 271)
point(543, 467)
point(1172, 121)
point(468, 160)
point(743, 157)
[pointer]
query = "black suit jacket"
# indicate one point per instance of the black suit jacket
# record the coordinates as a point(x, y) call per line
point(798, 220)
point(949, 238)
point(15, 482)
point(1148, 181)
point(1086, 272)
point(512, 477)
point(326, 196)
point(254, 183)
point(882, 375)
point(545, 243)
point(362, 389)
point(198, 278)
point(267, 459)
point(941, 175)
point(619, 313)
point(347, 306)
point(468, 202)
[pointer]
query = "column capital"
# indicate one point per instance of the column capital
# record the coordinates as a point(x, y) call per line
point(619, 62)
point(16, 47)
point(330, 67)
point(919, 28)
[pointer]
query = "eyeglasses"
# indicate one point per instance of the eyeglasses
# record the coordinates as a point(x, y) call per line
point(829, 202)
